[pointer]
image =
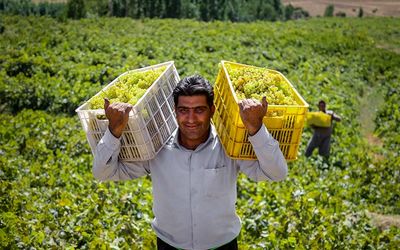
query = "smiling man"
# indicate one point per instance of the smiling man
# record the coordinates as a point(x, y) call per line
point(194, 181)
point(193, 115)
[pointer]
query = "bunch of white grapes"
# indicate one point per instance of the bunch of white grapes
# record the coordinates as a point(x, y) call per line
point(254, 83)
point(129, 88)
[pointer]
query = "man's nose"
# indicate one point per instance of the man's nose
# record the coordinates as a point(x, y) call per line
point(191, 116)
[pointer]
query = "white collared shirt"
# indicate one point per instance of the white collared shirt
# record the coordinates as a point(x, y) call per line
point(194, 191)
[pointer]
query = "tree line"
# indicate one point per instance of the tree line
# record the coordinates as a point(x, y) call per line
point(205, 10)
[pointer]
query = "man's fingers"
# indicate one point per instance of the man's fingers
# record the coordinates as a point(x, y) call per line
point(122, 107)
point(117, 108)
point(241, 104)
point(129, 108)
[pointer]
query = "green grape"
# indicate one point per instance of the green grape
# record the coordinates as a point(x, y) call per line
point(252, 82)
point(129, 88)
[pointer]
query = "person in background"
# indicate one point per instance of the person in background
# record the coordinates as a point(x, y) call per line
point(321, 138)
point(194, 181)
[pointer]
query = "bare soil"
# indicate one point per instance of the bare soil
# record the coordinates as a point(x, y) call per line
point(384, 222)
point(350, 7)
point(49, 1)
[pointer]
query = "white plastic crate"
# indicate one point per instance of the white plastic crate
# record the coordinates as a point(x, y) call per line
point(151, 121)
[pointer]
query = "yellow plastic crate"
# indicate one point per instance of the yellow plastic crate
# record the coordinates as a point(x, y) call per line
point(284, 122)
point(319, 119)
point(151, 121)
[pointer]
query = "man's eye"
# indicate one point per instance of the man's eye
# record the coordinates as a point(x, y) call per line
point(183, 110)
point(200, 110)
point(197, 110)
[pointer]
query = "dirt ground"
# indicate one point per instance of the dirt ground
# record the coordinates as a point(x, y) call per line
point(350, 7)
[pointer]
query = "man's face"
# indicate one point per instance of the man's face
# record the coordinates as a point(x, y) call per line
point(321, 106)
point(193, 115)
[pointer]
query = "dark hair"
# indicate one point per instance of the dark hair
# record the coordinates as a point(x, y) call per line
point(322, 101)
point(194, 85)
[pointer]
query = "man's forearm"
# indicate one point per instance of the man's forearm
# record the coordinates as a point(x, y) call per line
point(107, 166)
point(105, 160)
point(269, 155)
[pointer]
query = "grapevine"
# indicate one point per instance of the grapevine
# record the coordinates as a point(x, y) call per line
point(129, 88)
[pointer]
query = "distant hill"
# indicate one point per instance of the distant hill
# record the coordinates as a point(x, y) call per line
point(350, 7)
point(317, 7)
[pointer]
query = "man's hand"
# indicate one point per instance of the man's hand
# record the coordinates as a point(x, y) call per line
point(252, 113)
point(117, 115)
point(336, 117)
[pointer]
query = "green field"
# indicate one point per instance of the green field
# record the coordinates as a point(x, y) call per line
point(50, 200)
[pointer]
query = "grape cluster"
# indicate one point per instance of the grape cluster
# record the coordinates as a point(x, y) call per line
point(254, 83)
point(129, 88)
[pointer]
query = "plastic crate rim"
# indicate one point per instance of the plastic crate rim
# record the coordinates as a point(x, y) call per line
point(169, 64)
point(303, 105)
